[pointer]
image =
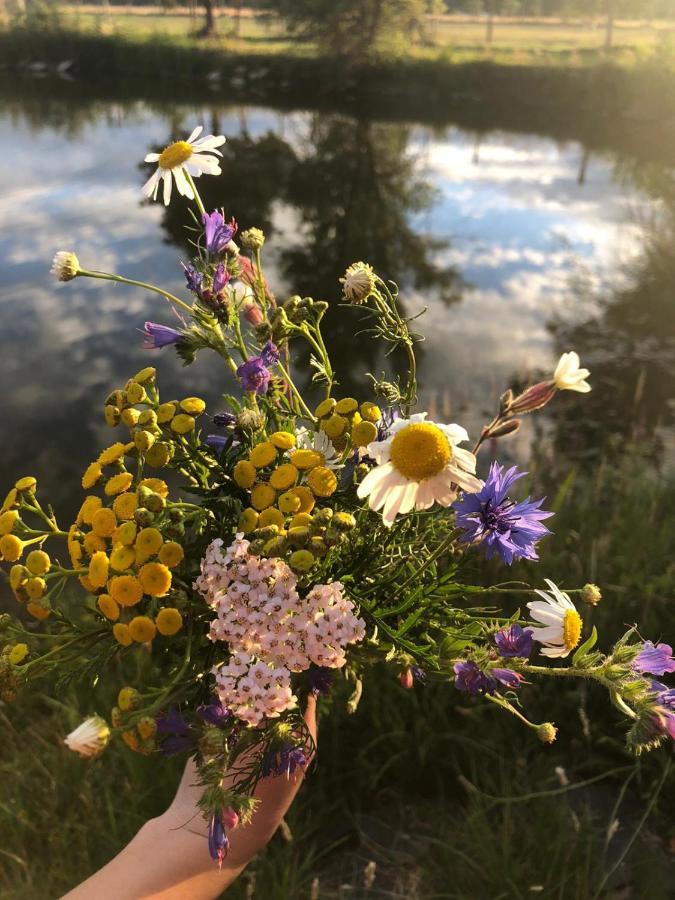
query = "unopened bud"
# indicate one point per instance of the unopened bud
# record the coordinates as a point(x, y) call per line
point(230, 818)
point(590, 593)
point(406, 679)
point(252, 238)
point(534, 397)
point(250, 420)
point(546, 732)
point(252, 313)
point(505, 401)
point(504, 428)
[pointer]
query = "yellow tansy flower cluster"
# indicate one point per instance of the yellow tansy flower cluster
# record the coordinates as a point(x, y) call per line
point(346, 423)
point(285, 483)
point(139, 733)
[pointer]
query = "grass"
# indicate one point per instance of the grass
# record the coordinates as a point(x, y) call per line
point(447, 799)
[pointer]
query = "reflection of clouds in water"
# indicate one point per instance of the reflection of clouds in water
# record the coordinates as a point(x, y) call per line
point(518, 224)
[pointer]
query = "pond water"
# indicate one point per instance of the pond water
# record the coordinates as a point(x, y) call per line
point(519, 246)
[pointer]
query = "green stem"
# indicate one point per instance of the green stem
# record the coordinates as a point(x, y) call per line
point(198, 199)
point(120, 279)
point(296, 393)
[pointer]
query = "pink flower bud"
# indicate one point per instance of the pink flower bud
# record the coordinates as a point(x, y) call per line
point(252, 313)
point(533, 397)
point(406, 679)
point(230, 818)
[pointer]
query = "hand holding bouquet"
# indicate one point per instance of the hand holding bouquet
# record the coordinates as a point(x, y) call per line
point(290, 538)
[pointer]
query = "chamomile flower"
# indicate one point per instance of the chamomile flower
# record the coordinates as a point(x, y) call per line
point(560, 620)
point(569, 376)
point(191, 157)
point(89, 738)
point(418, 464)
point(321, 443)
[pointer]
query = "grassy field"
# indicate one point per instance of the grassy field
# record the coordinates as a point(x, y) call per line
point(461, 38)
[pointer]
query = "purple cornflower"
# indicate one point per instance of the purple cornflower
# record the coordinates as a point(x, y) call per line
point(214, 713)
point(217, 442)
point(254, 375)
point(158, 336)
point(217, 232)
point(320, 680)
point(505, 527)
point(656, 660)
point(225, 420)
point(220, 278)
point(218, 841)
point(514, 641)
point(269, 354)
point(193, 278)
point(472, 680)
point(179, 735)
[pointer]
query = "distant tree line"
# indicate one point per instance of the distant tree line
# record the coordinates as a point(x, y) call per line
point(631, 9)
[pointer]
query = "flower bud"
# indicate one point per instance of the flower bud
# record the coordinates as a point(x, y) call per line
point(590, 593)
point(252, 238)
point(504, 428)
point(406, 679)
point(505, 401)
point(66, 265)
point(358, 282)
point(230, 818)
point(155, 503)
point(250, 420)
point(252, 313)
point(143, 517)
point(534, 397)
point(546, 732)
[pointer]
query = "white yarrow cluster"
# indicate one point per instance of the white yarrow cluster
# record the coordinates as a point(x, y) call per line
point(271, 630)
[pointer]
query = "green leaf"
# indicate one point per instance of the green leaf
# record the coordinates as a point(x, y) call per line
point(586, 647)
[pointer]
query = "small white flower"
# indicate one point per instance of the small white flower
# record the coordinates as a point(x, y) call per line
point(419, 464)
point(65, 265)
point(193, 156)
point(560, 620)
point(358, 282)
point(568, 376)
point(89, 738)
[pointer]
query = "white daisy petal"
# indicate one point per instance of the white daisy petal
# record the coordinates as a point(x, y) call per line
point(195, 134)
point(166, 175)
point(150, 186)
point(151, 157)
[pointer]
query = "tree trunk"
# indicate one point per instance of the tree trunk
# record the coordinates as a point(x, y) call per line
point(237, 21)
point(490, 22)
point(209, 18)
point(609, 29)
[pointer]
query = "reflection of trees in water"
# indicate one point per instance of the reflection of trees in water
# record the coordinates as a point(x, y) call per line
point(355, 186)
point(630, 344)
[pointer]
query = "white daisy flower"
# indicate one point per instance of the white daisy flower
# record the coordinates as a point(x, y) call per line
point(561, 622)
point(191, 157)
point(65, 265)
point(358, 282)
point(568, 376)
point(320, 442)
point(89, 738)
point(419, 464)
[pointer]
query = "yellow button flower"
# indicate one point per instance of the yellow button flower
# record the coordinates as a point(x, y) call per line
point(128, 699)
point(10, 500)
point(119, 483)
point(18, 575)
point(18, 653)
point(103, 522)
point(35, 588)
point(194, 406)
point(301, 560)
point(283, 440)
point(364, 433)
point(92, 474)
point(284, 476)
point(306, 498)
point(122, 558)
point(38, 562)
point(171, 554)
point(86, 584)
point(8, 520)
point(27, 483)
point(288, 503)
point(111, 454)
point(346, 406)
point(130, 417)
point(322, 482)
point(182, 423)
point(74, 547)
point(108, 607)
point(158, 455)
point(112, 416)
point(122, 635)
point(262, 496)
point(157, 485)
point(145, 375)
point(124, 505)
point(88, 508)
point(300, 520)
point(126, 590)
point(306, 459)
point(334, 426)
point(165, 412)
point(325, 408)
point(370, 411)
point(263, 455)
point(144, 441)
point(155, 579)
point(271, 516)
point(125, 534)
point(168, 621)
point(244, 474)
point(11, 547)
point(142, 629)
point(135, 393)
point(148, 542)
point(147, 727)
point(93, 542)
point(38, 610)
point(248, 520)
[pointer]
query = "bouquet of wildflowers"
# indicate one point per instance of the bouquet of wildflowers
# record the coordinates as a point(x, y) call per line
point(259, 552)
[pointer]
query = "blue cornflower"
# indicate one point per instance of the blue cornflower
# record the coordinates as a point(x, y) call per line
point(158, 336)
point(193, 278)
point(505, 527)
point(655, 659)
point(514, 641)
point(217, 232)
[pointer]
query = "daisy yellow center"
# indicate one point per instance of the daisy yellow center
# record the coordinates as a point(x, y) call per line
point(571, 628)
point(420, 450)
point(175, 155)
